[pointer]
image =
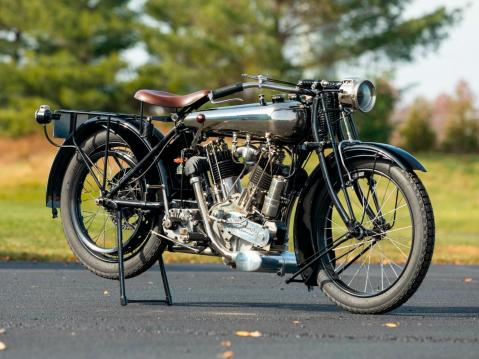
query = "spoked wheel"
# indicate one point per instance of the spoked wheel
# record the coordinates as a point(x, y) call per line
point(383, 264)
point(97, 224)
point(91, 228)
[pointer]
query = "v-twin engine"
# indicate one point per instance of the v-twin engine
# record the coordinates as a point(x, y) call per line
point(241, 219)
point(245, 219)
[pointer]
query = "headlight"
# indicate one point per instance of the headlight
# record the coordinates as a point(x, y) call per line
point(358, 94)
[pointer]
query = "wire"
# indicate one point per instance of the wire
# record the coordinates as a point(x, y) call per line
point(45, 131)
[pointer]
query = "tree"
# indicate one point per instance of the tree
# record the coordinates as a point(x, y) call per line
point(60, 52)
point(209, 43)
point(417, 133)
point(333, 32)
point(462, 123)
point(69, 53)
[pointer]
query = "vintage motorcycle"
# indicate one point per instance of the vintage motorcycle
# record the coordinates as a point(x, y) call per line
point(236, 182)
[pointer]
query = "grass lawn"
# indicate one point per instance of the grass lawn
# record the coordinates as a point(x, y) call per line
point(27, 231)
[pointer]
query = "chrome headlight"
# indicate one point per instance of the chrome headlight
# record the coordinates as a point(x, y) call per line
point(357, 94)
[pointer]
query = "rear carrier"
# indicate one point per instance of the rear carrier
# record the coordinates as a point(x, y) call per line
point(65, 122)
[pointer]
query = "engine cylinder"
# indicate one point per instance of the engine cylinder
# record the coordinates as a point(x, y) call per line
point(272, 200)
point(223, 169)
point(221, 162)
point(261, 177)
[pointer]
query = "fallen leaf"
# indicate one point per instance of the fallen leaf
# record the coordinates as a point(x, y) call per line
point(392, 325)
point(227, 355)
point(2, 346)
point(2, 331)
point(467, 280)
point(243, 333)
point(106, 293)
point(226, 343)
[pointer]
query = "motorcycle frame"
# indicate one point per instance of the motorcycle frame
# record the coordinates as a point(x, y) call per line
point(145, 129)
point(339, 146)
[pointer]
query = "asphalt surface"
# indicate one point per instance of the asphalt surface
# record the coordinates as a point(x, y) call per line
point(63, 311)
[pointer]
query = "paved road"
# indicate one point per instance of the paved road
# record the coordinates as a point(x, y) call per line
point(63, 311)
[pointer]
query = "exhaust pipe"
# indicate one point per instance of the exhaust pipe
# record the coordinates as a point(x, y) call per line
point(250, 261)
point(196, 183)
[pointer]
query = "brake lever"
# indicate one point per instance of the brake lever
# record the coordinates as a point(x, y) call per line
point(259, 78)
point(227, 100)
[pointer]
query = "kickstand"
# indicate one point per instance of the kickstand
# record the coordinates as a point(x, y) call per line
point(121, 270)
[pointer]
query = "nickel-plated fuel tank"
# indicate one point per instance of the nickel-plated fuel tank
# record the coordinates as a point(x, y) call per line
point(285, 121)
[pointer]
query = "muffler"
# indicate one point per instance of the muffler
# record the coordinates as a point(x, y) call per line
point(251, 261)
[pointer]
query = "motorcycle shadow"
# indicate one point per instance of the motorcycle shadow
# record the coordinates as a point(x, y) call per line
point(445, 311)
point(259, 305)
point(404, 311)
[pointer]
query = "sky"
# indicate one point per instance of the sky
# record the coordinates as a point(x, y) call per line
point(456, 59)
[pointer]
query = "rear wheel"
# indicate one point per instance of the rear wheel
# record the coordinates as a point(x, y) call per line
point(90, 228)
point(380, 269)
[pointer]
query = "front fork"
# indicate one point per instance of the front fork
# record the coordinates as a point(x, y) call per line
point(346, 213)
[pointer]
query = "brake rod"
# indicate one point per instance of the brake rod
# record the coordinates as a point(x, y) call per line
point(311, 260)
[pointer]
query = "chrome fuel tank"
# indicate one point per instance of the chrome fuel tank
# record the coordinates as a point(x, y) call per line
point(286, 121)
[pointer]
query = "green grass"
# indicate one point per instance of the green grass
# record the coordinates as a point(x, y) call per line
point(27, 231)
point(453, 185)
point(26, 228)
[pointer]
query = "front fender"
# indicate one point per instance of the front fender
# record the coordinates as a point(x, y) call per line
point(124, 129)
point(303, 217)
point(372, 149)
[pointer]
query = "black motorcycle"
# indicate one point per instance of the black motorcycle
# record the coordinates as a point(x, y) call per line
point(234, 182)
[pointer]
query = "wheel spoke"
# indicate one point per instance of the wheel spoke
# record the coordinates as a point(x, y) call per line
point(372, 264)
point(99, 224)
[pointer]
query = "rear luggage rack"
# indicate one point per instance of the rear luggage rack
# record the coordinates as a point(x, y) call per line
point(69, 120)
point(65, 122)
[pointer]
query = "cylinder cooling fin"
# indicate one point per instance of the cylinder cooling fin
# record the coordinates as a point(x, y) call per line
point(331, 103)
point(221, 161)
point(264, 171)
point(261, 178)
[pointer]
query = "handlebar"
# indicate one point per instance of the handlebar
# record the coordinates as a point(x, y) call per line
point(231, 89)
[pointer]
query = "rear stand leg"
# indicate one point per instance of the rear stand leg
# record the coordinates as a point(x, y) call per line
point(121, 270)
point(164, 277)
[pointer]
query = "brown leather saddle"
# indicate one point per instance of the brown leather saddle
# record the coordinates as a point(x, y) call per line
point(166, 99)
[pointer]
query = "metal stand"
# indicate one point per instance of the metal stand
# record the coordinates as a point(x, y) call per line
point(123, 299)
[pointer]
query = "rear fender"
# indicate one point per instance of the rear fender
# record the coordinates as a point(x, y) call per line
point(303, 217)
point(125, 129)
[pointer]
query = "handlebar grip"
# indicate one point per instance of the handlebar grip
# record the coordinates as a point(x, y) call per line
point(226, 91)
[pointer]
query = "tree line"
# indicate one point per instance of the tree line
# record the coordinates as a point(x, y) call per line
point(449, 123)
point(71, 53)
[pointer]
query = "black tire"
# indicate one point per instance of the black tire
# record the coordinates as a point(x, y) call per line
point(142, 249)
point(416, 263)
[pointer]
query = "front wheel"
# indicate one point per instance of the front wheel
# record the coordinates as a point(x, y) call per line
point(381, 268)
